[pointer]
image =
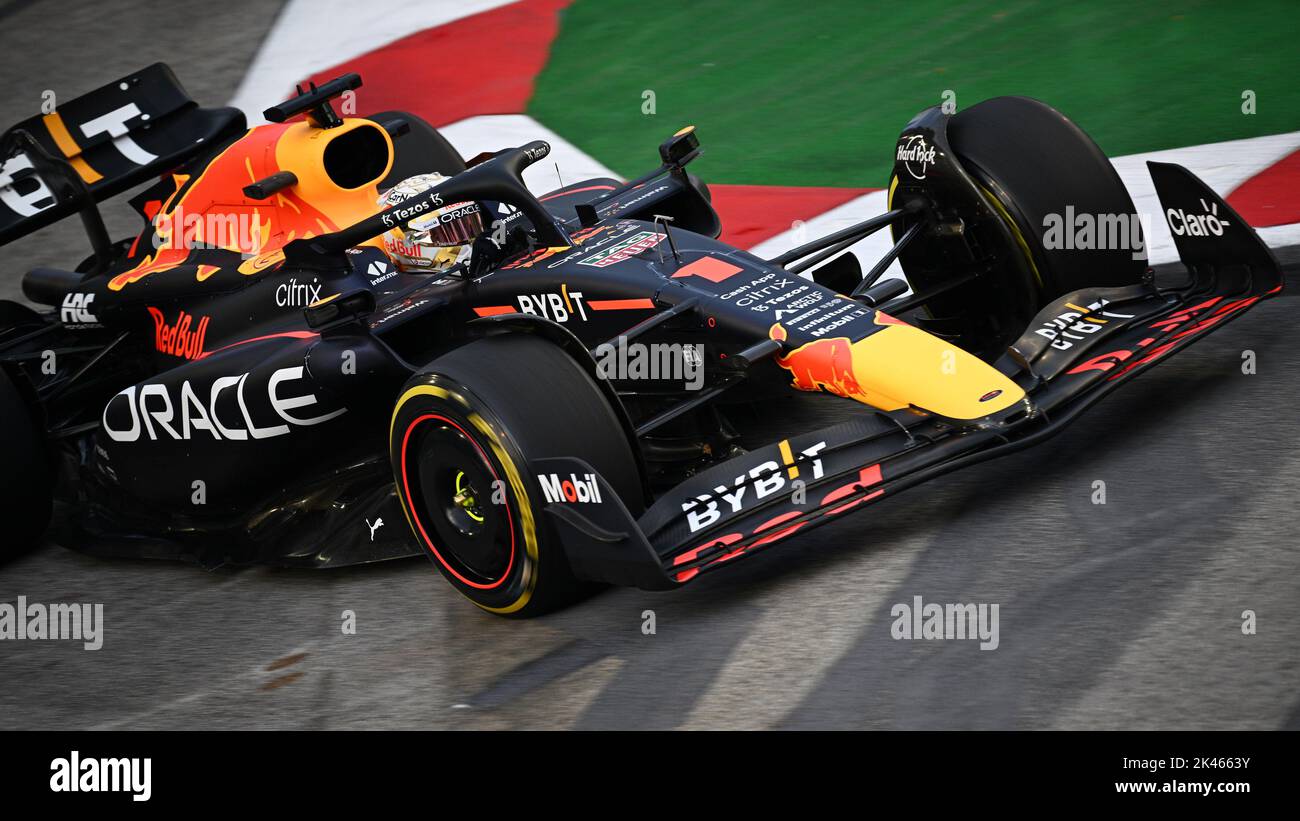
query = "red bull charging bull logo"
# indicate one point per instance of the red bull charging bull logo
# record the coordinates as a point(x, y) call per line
point(823, 364)
point(899, 366)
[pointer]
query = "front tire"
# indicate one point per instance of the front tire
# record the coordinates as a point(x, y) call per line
point(1032, 165)
point(462, 435)
point(1035, 163)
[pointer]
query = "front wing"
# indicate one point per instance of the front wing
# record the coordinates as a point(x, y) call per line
point(1076, 351)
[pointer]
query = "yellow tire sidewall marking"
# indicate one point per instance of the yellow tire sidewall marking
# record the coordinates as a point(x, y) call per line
point(513, 475)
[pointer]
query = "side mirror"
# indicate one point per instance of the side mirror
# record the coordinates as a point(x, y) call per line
point(680, 148)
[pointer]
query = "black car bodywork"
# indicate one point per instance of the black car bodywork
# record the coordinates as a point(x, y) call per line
point(224, 412)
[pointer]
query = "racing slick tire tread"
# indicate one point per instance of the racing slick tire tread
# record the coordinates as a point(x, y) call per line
point(1035, 162)
point(519, 397)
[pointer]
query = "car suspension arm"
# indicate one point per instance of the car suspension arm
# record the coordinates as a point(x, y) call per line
point(892, 254)
point(844, 235)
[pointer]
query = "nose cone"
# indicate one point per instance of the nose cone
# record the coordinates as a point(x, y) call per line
point(900, 366)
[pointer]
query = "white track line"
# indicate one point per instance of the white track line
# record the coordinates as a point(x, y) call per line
point(493, 132)
point(309, 36)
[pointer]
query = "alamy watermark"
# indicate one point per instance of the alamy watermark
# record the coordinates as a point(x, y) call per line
point(1096, 232)
point(51, 622)
point(931, 622)
point(77, 774)
point(631, 361)
point(180, 230)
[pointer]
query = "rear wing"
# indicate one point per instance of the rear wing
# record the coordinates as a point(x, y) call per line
point(101, 144)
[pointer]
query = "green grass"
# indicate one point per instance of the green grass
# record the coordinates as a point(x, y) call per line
point(815, 93)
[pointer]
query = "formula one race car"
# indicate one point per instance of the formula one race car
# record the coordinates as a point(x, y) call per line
point(549, 403)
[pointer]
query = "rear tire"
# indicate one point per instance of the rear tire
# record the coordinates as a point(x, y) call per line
point(26, 484)
point(462, 436)
point(419, 151)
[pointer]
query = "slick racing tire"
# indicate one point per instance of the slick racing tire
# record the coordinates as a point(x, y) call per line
point(462, 435)
point(1033, 164)
point(26, 484)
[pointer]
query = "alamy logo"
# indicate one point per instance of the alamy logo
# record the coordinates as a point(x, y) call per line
point(662, 361)
point(181, 230)
point(77, 774)
point(1082, 231)
point(51, 622)
point(919, 620)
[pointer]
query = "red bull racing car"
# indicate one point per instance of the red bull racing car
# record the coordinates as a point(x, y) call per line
point(335, 341)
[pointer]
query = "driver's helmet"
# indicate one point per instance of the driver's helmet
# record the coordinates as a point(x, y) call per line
point(436, 241)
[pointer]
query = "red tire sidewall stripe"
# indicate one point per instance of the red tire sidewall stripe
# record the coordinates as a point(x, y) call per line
point(415, 517)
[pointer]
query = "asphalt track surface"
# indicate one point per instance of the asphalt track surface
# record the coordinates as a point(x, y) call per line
point(1123, 615)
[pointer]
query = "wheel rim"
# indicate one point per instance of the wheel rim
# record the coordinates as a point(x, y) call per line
point(449, 483)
